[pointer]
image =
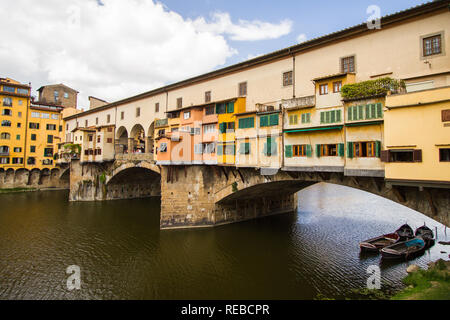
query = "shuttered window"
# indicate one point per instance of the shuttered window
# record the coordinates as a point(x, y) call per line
point(246, 123)
point(244, 148)
point(288, 151)
point(221, 108)
point(270, 147)
point(293, 119)
point(369, 111)
point(274, 119)
point(230, 107)
point(306, 117)
point(363, 149)
point(332, 116)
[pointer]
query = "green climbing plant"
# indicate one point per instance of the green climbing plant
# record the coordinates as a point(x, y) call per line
point(371, 88)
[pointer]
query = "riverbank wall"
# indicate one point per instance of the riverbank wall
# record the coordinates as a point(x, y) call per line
point(35, 179)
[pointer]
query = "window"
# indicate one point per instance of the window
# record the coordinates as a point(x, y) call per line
point(47, 162)
point(198, 148)
point(268, 120)
point(230, 126)
point(208, 96)
point(138, 112)
point(401, 155)
point(86, 122)
point(348, 64)
point(306, 117)
point(179, 103)
point(19, 125)
point(9, 89)
point(246, 123)
point(244, 148)
point(226, 127)
point(432, 45)
point(6, 123)
point(122, 115)
point(91, 138)
point(369, 111)
point(209, 110)
point(243, 89)
point(67, 126)
point(17, 160)
point(55, 95)
point(186, 115)
point(270, 147)
point(32, 149)
point(363, 149)
point(20, 102)
point(99, 138)
point(35, 115)
point(51, 126)
point(163, 147)
point(230, 107)
point(293, 119)
point(31, 161)
point(45, 115)
point(96, 120)
point(337, 86)
point(221, 108)
point(109, 140)
point(66, 95)
point(444, 155)
point(287, 78)
point(157, 107)
point(22, 91)
point(4, 150)
point(209, 128)
point(229, 149)
point(4, 160)
point(299, 150)
point(55, 117)
point(323, 89)
point(5, 136)
point(49, 138)
point(210, 148)
point(19, 114)
point(108, 118)
point(330, 150)
point(33, 137)
point(110, 129)
point(17, 149)
point(6, 112)
point(17, 136)
point(48, 152)
point(332, 116)
point(60, 128)
point(7, 102)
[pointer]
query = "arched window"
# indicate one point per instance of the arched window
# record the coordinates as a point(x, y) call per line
point(6, 123)
point(5, 135)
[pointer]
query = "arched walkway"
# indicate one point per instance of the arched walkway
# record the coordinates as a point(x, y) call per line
point(137, 139)
point(121, 143)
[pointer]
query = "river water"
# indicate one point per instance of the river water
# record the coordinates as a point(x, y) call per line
point(122, 254)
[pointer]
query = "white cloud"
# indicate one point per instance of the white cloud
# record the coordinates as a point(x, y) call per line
point(245, 30)
point(118, 48)
point(301, 38)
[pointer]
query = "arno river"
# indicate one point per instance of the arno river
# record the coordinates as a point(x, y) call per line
point(122, 254)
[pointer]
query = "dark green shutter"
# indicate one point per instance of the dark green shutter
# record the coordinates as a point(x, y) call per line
point(333, 116)
point(308, 117)
point(379, 110)
point(264, 121)
point(251, 122)
point(373, 113)
point(377, 148)
point(322, 117)
point(230, 107)
point(350, 113)
point(360, 112)
point(274, 119)
point(241, 123)
point(303, 117)
point(318, 150)
point(368, 111)
point(338, 115)
point(288, 151)
point(308, 150)
point(350, 150)
point(269, 146)
point(341, 150)
point(355, 113)
point(327, 116)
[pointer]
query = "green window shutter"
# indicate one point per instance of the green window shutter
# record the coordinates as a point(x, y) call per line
point(355, 113)
point(350, 113)
point(327, 116)
point(377, 148)
point(288, 151)
point(251, 122)
point(360, 112)
point(303, 117)
point(333, 116)
point(318, 150)
point(308, 150)
point(220, 150)
point(322, 117)
point(241, 123)
point(264, 121)
point(274, 119)
point(368, 111)
point(350, 150)
point(217, 108)
point(230, 107)
point(341, 150)
point(338, 115)
point(373, 111)
point(234, 149)
point(308, 117)
point(379, 110)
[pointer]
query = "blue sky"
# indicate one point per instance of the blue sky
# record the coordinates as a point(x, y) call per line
point(312, 18)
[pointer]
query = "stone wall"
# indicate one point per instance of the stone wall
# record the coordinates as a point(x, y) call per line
point(35, 178)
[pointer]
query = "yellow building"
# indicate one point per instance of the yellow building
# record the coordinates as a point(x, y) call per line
point(226, 145)
point(44, 131)
point(417, 138)
point(14, 103)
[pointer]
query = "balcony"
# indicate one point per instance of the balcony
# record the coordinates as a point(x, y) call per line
point(261, 108)
point(161, 123)
point(299, 103)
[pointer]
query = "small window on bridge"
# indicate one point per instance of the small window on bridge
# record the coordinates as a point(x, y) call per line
point(444, 155)
point(402, 155)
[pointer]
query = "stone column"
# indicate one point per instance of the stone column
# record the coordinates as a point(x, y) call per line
point(148, 144)
point(130, 145)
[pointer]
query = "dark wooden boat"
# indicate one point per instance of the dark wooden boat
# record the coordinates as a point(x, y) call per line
point(404, 249)
point(405, 232)
point(426, 234)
